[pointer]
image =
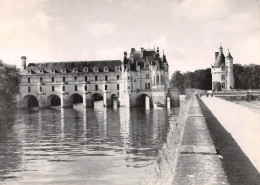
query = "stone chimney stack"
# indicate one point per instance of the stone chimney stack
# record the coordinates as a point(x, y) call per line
point(23, 62)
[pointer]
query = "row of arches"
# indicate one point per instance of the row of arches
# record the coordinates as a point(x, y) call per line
point(142, 100)
point(54, 100)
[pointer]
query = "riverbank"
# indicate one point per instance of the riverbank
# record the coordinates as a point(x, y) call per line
point(234, 134)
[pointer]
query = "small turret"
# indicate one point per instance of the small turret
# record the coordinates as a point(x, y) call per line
point(23, 62)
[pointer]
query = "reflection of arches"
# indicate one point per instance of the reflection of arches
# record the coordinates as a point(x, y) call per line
point(114, 100)
point(30, 101)
point(53, 100)
point(76, 98)
point(141, 100)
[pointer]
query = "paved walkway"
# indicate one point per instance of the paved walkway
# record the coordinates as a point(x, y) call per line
point(198, 161)
point(242, 123)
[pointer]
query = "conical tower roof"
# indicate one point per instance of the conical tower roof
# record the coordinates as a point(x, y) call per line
point(229, 55)
point(220, 58)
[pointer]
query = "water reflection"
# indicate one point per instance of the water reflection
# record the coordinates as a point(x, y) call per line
point(81, 146)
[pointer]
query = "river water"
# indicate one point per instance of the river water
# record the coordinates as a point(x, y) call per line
point(82, 146)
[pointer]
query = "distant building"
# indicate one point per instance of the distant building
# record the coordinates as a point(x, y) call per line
point(222, 71)
point(141, 79)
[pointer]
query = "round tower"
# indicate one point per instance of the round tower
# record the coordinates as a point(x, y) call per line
point(23, 62)
point(230, 77)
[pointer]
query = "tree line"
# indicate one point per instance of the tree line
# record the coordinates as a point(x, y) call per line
point(9, 85)
point(245, 77)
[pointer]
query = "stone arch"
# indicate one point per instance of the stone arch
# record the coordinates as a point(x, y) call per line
point(30, 101)
point(114, 100)
point(76, 98)
point(53, 100)
point(141, 100)
point(97, 97)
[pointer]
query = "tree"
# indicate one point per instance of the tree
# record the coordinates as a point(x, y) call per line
point(9, 84)
point(177, 81)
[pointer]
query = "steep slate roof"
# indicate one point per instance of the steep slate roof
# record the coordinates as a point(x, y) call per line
point(69, 66)
point(220, 58)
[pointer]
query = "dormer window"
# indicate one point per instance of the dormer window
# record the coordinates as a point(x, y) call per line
point(85, 69)
point(105, 69)
point(30, 71)
point(117, 68)
point(52, 70)
point(223, 68)
point(41, 71)
point(95, 69)
point(75, 70)
point(64, 70)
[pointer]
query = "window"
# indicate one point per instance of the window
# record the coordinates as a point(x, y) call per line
point(223, 85)
point(86, 69)
point(86, 78)
point(147, 86)
point(153, 79)
point(41, 79)
point(106, 77)
point(52, 79)
point(64, 79)
point(86, 87)
point(75, 78)
point(117, 77)
point(223, 68)
point(96, 78)
point(29, 80)
point(157, 80)
point(147, 76)
point(105, 69)
point(131, 78)
point(63, 88)
point(95, 69)
point(132, 87)
point(222, 77)
point(40, 89)
point(29, 89)
point(117, 86)
point(76, 88)
point(96, 87)
point(105, 87)
point(52, 88)
point(162, 79)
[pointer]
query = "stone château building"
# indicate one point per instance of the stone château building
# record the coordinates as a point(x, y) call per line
point(222, 71)
point(141, 79)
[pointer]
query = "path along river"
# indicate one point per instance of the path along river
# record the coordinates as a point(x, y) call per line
point(81, 146)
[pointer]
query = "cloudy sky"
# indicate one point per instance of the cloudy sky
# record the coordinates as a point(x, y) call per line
point(189, 31)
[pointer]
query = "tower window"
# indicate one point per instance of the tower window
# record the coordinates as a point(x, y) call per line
point(64, 79)
point(29, 80)
point(52, 88)
point(117, 86)
point(40, 89)
point(223, 85)
point(52, 79)
point(75, 78)
point(63, 88)
point(29, 89)
point(76, 88)
point(222, 77)
point(96, 78)
point(117, 77)
point(86, 78)
point(96, 87)
point(41, 79)
point(105, 87)
point(147, 76)
point(223, 68)
point(86, 87)
point(106, 77)
point(147, 86)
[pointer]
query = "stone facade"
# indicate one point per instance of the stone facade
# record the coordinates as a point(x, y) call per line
point(222, 71)
point(139, 80)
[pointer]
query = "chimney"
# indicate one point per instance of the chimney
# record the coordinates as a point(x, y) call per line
point(23, 62)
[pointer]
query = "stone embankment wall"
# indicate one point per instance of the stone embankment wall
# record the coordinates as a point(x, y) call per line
point(190, 92)
point(189, 155)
